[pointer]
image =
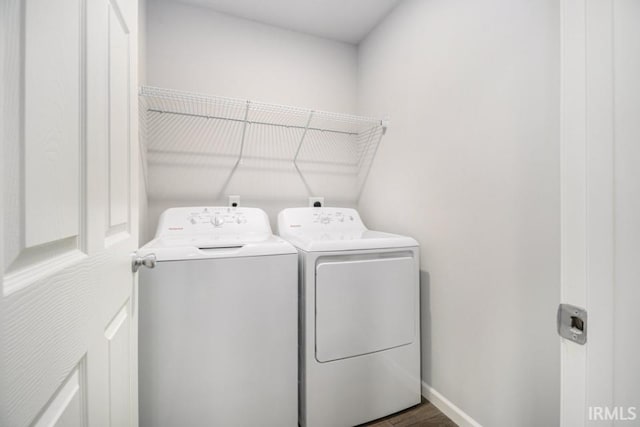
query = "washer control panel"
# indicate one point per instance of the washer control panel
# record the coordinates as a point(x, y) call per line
point(221, 220)
point(313, 219)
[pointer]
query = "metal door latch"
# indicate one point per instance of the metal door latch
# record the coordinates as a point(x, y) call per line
point(138, 261)
point(572, 323)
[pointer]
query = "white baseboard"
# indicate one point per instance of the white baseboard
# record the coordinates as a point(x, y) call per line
point(445, 406)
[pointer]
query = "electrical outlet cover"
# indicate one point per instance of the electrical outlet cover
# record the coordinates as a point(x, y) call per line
point(314, 200)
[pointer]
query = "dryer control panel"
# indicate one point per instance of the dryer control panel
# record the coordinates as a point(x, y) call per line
point(320, 219)
point(208, 219)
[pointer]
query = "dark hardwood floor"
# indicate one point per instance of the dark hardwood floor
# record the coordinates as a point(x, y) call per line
point(422, 415)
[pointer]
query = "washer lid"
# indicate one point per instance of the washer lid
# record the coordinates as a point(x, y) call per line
point(334, 229)
point(214, 232)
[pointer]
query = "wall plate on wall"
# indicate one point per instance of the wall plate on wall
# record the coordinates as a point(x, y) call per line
point(234, 201)
point(316, 202)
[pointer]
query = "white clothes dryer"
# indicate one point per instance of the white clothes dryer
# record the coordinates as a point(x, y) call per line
point(359, 317)
point(218, 322)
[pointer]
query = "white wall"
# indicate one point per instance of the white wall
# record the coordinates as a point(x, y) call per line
point(198, 49)
point(470, 167)
point(626, 47)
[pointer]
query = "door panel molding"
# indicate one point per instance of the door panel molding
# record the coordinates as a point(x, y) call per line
point(46, 334)
point(119, 141)
point(44, 149)
point(118, 335)
point(37, 263)
point(68, 406)
point(53, 119)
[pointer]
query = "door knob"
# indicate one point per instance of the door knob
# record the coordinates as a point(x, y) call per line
point(138, 261)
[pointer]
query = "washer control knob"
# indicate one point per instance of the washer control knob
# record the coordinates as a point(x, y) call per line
point(217, 221)
point(325, 220)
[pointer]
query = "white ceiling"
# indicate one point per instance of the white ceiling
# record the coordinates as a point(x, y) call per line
point(344, 20)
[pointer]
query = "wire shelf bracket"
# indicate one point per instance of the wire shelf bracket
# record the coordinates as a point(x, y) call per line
point(237, 163)
point(295, 157)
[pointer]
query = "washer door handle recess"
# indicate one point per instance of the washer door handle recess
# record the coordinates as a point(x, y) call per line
point(138, 261)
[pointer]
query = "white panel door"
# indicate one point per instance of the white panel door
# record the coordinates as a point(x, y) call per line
point(601, 209)
point(68, 213)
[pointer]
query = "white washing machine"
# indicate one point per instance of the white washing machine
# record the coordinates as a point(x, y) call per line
point(359, 317)
point(218, 322)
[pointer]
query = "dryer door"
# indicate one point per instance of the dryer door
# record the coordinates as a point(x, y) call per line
point(364, 305)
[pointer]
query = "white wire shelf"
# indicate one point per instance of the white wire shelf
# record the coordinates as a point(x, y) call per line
point(244, 147)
